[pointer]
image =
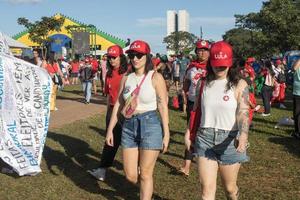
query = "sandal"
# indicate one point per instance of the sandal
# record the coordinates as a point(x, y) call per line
point(181, 171)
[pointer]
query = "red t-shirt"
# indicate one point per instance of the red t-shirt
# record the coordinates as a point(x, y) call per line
point(75, 67)
point(95, 65)
point(52, 69)
point(112, 85)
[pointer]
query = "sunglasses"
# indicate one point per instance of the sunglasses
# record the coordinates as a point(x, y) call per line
point(137, 55)
point(111, 57)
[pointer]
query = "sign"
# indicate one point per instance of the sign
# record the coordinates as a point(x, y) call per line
point(25, 91)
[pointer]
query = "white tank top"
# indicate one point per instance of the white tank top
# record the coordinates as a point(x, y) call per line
point(218, 106)
point(147, 95)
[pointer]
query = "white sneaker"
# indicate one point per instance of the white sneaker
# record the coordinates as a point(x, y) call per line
point(98, 174)
point(265, 115)
point(282, 106)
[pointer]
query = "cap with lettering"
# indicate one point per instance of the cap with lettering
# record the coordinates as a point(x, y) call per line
point(221, 54)
point(139, 46)
point(202, 44)
point(114, 51)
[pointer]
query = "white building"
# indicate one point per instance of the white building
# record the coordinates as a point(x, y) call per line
point(171, 21)
point(183, 21)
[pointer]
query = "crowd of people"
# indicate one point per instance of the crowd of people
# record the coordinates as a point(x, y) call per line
point(137, 88)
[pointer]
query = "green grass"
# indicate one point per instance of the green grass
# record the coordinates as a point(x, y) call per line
point(272, 173)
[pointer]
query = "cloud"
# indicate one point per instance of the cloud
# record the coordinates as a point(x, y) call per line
point(151, 22)
point(212, 21)
point(23, 1)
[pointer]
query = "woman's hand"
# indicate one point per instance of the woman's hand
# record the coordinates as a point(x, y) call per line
point(166, 140)
point(242, 143)
point(187, 140)
point(109, 138)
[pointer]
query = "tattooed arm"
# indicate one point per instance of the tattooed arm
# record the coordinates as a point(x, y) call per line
point(242, 114)
point(162, 105)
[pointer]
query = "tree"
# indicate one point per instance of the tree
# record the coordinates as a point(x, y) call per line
point(39, 30)
point(274, 29)
point(180, 41)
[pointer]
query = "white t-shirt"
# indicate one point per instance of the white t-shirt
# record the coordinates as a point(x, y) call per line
point(194, 75)
point(218, 106)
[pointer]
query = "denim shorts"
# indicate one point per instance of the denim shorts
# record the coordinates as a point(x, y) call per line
point(218, 145)
point(143, 131)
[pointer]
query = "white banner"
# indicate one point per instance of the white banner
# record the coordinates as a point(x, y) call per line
point(25, 91)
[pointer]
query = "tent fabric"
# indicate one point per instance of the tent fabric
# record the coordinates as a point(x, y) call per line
point(14, 43)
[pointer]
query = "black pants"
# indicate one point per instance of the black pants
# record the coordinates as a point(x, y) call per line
point(108, 152)
point(188, 155)
point(296, 112)
point(266, 94)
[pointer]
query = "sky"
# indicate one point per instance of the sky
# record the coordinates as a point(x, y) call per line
point(134, 19)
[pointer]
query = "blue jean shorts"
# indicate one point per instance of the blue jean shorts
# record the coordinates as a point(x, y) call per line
point(143, 131)
point(219, 145)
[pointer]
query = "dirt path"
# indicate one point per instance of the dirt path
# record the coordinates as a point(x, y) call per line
point(71, 110)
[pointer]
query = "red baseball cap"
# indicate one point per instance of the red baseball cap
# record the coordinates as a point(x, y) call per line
point(221, 54)
point(114, 51)
point(250, 60)
point(139, 46)
point(202, 44)
point(155, 61)
point(278, 62)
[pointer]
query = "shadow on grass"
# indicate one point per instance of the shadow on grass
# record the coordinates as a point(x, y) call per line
point(74, 162)
point(290, 143)
point(94, 100)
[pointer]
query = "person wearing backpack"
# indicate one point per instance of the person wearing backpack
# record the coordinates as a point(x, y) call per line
point(144, 135)
point(86, 77)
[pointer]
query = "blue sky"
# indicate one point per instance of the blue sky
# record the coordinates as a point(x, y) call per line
point(135, 19)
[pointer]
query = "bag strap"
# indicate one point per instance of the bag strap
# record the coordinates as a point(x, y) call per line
point(200, 92)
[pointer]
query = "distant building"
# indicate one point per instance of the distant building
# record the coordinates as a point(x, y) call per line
point(183, 21)
point(171, 21)
point(177, 21)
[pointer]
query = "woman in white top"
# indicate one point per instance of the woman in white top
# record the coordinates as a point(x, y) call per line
point(222, 128)
point(143, 136)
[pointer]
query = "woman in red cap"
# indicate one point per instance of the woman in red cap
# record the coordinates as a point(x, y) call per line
point(117, 67)
point(143, 136)
point(222, 127)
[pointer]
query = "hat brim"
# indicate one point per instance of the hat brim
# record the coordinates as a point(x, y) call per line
point(220, 63)
point(131, 50)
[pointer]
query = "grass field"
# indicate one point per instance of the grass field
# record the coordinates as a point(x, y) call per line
point(273, 172)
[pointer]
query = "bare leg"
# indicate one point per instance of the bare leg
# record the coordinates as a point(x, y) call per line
point(229, 174)
point(208, 172)
point(130, 163)
point(147, 163)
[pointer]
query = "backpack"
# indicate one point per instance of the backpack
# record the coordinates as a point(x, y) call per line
point(281, 78)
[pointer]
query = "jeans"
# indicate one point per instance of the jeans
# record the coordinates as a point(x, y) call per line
point(219, 145)
point(87, 89)
point(296, 112)
point(143, 131)
point(109, 152)
point(266, 94)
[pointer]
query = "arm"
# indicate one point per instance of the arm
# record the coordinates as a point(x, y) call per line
point(114, 116)
point(296, 65)
point(242, 115)
point(162, 96)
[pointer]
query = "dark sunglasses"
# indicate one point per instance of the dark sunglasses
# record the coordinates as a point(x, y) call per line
point(138, 55)
point(111, 57)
